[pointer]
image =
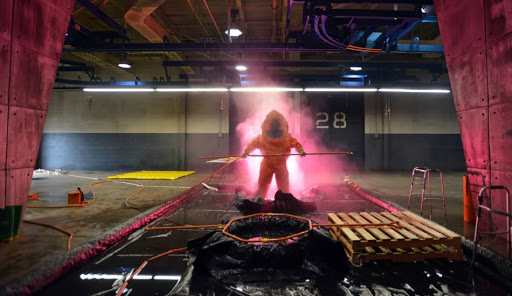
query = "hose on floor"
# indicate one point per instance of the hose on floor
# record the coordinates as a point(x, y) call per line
point(127, 201)
point(224, 227)
point(54, 227)
point(93, 194)
point(139, 208)
point(139, 269)
point(71, 206)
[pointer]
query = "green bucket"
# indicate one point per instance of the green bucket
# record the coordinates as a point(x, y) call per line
point(10, 219)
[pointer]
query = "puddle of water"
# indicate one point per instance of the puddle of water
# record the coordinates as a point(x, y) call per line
point(432, 277)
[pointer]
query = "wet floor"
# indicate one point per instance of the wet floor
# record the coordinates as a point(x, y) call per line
point(433, 277)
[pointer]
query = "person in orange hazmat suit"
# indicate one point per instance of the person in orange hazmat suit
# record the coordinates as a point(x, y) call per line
point(274, 139)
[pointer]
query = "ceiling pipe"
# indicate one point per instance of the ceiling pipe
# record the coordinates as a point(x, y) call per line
point(429, 10)
point(284, 12)
point(229, 16)
point(274, 20)
point(381, 2)
point(284, 33)
point(213, 19)
point(162, 18)
point(326, 34)
point(242, 19)
point(198, 19)
point(139, 17)
point(321, 36)
point(288, 18)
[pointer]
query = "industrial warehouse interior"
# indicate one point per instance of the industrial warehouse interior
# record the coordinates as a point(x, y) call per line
point(255, 147)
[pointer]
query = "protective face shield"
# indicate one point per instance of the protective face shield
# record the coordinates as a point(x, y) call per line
point(276, 131)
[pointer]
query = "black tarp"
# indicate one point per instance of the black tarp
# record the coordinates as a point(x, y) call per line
point(219, 264)
point(282, 203)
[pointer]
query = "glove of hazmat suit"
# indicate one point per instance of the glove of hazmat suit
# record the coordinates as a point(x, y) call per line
point(274, 139)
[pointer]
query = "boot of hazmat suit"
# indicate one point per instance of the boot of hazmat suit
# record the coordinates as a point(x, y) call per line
point(274, 139)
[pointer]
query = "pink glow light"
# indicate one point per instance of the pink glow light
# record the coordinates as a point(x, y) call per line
point(304, 171)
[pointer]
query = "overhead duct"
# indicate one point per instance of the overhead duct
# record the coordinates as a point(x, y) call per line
point(139, 17)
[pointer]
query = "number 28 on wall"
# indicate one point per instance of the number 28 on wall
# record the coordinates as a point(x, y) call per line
point(339, 121)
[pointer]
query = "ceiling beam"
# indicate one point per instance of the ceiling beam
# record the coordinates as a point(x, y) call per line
point(372, 14)
point(140, 17)
point(399, 2)
point(237, 47)
point(102, 16)
point(437, 67)
point(106, 61)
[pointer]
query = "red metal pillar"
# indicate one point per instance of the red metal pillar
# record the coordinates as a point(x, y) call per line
point(32, 33)
point(477, 41)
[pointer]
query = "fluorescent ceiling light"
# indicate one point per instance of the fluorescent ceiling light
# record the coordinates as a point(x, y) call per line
point(359, 76)
point(241, 67)
point(124, 65)
point(405, 90)
point(115, 89)
point(265, 89)
point(356, 68)
point(233, 32)
point(334, 89)
point(167, 277)
point(143, 277)
point(100, 276)
point(191, 89)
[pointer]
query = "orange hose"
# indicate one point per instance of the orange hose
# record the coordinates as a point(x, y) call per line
point(139, 269)
point(392, 224)
point(358, 48)
point(56, 207)
point(363, 49)
point(311, 225)
point(54, 227)
point(184, 227)
point(126, 201)
point(93, 194)
point(264, 240)
point(181, 227)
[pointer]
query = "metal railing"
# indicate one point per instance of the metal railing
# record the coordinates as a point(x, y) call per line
point(425, 179)
point(481, 196)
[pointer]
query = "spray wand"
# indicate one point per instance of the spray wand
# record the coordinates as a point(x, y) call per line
point(277, 155)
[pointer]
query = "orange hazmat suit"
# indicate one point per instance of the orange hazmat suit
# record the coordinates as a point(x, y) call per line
point(274, 139)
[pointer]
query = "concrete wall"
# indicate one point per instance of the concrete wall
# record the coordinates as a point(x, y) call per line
point(405, 130)
point(132, 131)
point(480, 67)
point(31, 38)
point(169, 131)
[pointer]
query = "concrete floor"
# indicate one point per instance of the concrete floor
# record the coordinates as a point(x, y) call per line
point(37, 245)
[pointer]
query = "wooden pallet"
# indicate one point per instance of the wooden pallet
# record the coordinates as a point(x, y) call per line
point(416, 240)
